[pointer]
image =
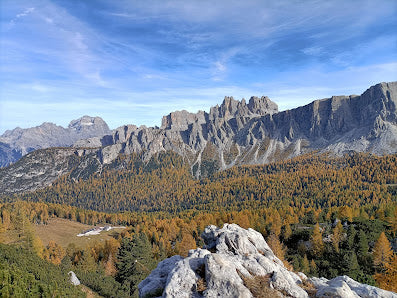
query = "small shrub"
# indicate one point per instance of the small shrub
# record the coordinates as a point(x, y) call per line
point(259, 286)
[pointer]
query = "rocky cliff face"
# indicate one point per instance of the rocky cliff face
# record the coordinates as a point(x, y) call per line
point(232, 262)
point(18, 142)
point(236, 133)
point(43, 166)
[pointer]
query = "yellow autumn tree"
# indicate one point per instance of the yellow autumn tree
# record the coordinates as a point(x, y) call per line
point(388, 280)
point(276, 246)
point(276, 223)
point(54, 253)
point(382, 252)
point(337, 235)
point(313, 267)
point(317, 241)
point(2, 231)
point(287, 231)
point(278, 249)
point(109, 265)
point(305, 266)
point(185, 245)
point(346, 213)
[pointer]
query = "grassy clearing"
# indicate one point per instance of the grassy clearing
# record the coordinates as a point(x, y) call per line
point(90, 293)
point(64, 231)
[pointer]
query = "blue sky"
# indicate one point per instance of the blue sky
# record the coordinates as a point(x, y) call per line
point(131, 62)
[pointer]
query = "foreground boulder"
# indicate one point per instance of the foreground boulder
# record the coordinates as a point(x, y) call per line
point(344, 286)
point(73, 278)
point(238, 263)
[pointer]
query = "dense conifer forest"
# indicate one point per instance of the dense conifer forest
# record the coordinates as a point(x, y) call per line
point(322, 215)
point(165, 184)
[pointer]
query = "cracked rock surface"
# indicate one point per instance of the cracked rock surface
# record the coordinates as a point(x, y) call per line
point(232, 255)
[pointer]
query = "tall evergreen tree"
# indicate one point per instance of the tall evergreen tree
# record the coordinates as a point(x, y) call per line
point(362, 245)
point(350, 265)
point(351, 235)
point(135, 261)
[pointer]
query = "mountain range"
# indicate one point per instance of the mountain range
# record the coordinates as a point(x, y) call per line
point(18, 142)
point(233, 133)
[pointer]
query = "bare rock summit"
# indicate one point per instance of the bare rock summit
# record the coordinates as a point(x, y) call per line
point(232, 258)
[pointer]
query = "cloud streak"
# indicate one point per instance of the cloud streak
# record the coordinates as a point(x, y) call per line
point(160, 56)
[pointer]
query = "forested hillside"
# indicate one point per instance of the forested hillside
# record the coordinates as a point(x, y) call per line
point(322, 215)
point(165, 184)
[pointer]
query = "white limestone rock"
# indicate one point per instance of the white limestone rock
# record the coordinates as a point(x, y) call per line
point(346, 287)
point(231, 255)
point(157, 280)
point(182, 280)
point(223, 279)
point(73, 278)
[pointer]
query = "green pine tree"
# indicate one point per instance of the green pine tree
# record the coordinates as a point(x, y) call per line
point(305, 266)
point(135, 261)
point(350, 265)
point(362, 246)
point(351, 235)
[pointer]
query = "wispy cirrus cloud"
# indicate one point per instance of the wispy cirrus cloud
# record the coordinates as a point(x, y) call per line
point(166, 55)
point(22, 14)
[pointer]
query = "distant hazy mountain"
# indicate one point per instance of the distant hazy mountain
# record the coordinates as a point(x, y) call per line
point(233, 133)
point(18, 142)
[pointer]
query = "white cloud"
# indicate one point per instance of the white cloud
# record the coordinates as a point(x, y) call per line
point(146, 59)
point(25, 12)
point(313, 51)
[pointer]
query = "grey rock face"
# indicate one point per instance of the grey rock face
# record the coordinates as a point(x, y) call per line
point(237, 133)
point(231, 255)
point(344, 286)
point(73, 278)
point(42, 167)
point(18, 142)
point(236, 254)
point(153, 286)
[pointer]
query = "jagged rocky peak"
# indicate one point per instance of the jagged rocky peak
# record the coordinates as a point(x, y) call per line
point(230, 108)
point(262, 106)
point(87, 123)
point(238, 133)
point(179, 120)
point(230, 263)
point(255, 107)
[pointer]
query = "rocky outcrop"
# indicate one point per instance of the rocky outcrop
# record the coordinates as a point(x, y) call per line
point(18, 142)
point(231, 259)
point(42, 167)
point(73, 278)
point(344, 286)
point(237, 133)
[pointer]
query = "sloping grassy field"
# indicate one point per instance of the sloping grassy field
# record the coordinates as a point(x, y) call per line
point(64, 231)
